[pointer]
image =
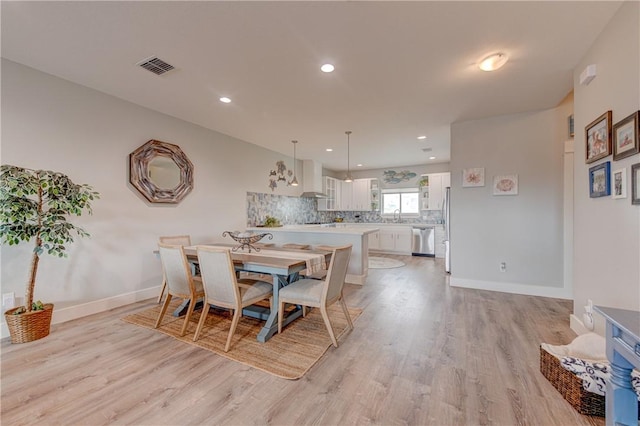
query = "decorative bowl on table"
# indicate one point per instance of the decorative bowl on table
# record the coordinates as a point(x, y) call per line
point(246, 239)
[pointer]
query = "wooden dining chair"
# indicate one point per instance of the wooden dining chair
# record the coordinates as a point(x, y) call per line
point(223, 289)
point(180, 240)
point(320, 294)
point(180, 281)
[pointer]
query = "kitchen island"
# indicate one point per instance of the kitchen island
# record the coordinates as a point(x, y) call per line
point(317, 235)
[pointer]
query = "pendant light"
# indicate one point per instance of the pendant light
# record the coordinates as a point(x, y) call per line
point(294, 181)
point(348, 178)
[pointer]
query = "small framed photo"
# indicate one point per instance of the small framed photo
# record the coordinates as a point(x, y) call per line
point(505, 185)
point(619, 179)
point(570, 125)
point(625, 137)
point(635, 184)
point(473, 177)
point(600, 180)
point(598, 138)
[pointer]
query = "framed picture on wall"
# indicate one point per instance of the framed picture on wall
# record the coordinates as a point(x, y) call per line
point(619, 179)
point(625, 137)
point(570, 124)
point(598, 138)
point(473, 177)
point(635, 184)
point(600, 180)
point(505, 185)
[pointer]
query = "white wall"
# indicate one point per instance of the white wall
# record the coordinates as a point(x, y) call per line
point(525, 230)
point(607, 231)
point(51, 123)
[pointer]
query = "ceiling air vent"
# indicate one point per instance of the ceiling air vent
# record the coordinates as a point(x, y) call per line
point(427, 149)
point(155, 65)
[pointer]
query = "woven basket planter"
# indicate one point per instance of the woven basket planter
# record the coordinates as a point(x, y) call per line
point(570, 387)
point(29, 326)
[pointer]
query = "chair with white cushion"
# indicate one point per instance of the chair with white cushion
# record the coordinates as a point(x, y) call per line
point(177, 240)
point(222, 288)
point(180, 282)
point(320, 294)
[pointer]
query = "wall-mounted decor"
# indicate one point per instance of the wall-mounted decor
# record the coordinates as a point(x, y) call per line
point(600, 180)
point(619, 179)
point(635, 184)
point(161, 172)
point(625, 137)
point(505, 185)
point(279, 175)
point(391, 176)
point(473, 177)
point(570, 124)
point(598, 138)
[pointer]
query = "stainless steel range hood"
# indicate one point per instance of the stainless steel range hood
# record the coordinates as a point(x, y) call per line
point(312, 183)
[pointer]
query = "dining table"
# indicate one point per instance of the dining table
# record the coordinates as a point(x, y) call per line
point(284, 267)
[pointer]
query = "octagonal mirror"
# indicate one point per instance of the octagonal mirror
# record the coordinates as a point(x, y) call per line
point(161, 172)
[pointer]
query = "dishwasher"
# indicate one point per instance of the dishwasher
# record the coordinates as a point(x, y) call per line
point(423, 241)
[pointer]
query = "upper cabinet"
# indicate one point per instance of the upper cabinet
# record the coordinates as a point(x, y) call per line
point(432, 194)
point(359, 195)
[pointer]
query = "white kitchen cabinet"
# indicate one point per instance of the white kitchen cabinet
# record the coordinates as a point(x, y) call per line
point(395, 239)
point(432, 195)
point(331, 189)
point(374, 240)
point(346, 195)
point(356, 195)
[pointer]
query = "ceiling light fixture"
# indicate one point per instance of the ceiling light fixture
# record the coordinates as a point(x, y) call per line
point(432, 158)
point(225, 100)
point(358, 165)
point(422, 137)
point(327, 68)
point(294, 181)
point(329, 150)
point(348, 178)
point(493, 62)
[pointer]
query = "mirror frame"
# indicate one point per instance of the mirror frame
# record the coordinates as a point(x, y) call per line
point(139, 172)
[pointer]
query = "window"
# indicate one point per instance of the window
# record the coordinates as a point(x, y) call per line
point(406, 200)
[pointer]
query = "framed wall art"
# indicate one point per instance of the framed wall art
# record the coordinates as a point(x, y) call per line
point(570, 125)
point(600, 180)
point(625, 137)
point(505, 185)
point(598, 138)
point(619, 179)
point(473, 177)
point(635, 184)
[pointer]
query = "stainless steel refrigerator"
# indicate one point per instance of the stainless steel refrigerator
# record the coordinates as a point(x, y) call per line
point(446, 216)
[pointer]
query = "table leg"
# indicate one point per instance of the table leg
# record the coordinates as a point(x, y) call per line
point(271, 326)
point(621, 401)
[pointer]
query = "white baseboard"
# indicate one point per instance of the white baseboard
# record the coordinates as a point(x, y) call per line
point(529, 290)
point(78, 311)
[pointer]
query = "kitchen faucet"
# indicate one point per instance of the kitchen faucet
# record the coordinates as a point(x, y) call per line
point(399, 219)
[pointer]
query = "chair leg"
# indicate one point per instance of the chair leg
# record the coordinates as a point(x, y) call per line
point(163, 310)
point(203, 318)
point(234, 323)
point(325, 317)
point(346, 312)
point(164, 286)
point(192, 304)
point(280, 316)
point(304, 311)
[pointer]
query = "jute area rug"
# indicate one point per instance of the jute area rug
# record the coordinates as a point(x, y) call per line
point(384, 263)
point(288, 355)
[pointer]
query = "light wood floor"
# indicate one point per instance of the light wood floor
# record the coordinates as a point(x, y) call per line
point(422, 353)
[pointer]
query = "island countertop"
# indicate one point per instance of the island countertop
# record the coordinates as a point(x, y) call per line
point(318, 229)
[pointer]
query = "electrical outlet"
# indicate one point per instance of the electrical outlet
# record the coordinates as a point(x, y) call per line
point(8, 301)
point(503, 266)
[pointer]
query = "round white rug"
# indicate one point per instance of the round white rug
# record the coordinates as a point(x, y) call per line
point(384, 263)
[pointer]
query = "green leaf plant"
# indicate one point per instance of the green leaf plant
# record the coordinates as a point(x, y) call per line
point(35, 204)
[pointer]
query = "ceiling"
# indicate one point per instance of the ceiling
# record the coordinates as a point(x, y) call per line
point(403, 69)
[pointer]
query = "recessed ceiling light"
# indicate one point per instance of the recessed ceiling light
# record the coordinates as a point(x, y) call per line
point(225, 100)
point(493, 62)
point(327, 68)
point(358, 165)
point(329, 149)
point(432, 158)
point(422, 137)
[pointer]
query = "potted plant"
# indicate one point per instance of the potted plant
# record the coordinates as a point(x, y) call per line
point(34, 205)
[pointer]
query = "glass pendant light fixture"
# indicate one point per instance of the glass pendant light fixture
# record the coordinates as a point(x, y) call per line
point(348, 178)
point(294, 181)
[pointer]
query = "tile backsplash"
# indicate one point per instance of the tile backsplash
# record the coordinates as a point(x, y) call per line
point(296, 210)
